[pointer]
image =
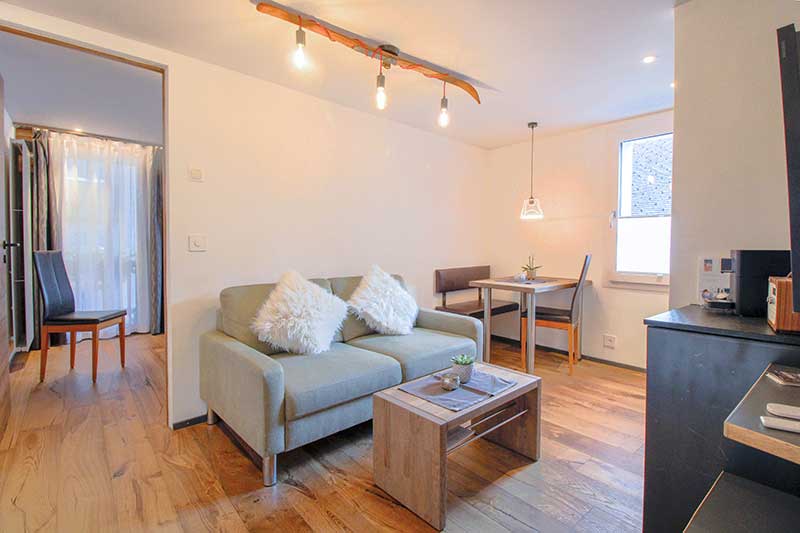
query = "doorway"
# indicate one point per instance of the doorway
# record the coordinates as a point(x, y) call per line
point(86, 175)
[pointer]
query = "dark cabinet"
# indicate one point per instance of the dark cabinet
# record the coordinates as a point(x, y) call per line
point(699, 366)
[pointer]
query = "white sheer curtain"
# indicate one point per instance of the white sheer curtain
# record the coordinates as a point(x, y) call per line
point(101, 200)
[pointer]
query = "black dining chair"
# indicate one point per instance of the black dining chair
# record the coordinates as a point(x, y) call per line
point(568, 320)
point(60, 315)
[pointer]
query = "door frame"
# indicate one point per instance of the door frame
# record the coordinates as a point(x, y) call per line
point(163, 70)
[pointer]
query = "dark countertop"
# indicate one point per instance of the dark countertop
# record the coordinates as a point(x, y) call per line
point(696, 319)
point(736, 505)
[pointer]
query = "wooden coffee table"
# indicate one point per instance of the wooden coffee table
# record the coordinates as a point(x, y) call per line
point(412, 437)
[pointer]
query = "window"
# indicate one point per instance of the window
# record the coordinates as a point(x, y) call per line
point(644, 211)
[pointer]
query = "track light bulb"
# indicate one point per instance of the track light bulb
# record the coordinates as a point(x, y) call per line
point(444, 117)
point(380, 94)
point(299, 57)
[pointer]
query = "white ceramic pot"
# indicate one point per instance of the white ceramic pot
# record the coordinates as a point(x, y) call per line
point(464, 372)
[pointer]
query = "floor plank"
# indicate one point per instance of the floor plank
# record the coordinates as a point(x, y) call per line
point(78, 457)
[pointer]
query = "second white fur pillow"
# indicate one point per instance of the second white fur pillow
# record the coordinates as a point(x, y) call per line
point(299, 316)
point(381, 302)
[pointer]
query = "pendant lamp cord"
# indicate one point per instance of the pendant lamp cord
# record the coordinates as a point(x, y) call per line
point(532, 158)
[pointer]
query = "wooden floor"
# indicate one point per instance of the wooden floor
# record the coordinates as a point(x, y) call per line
point(82, 458)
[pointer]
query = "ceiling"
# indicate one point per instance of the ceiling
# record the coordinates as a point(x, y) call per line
point(50, 85)
point(565, 63)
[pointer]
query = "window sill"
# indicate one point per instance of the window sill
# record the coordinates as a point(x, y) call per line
point(638, 283)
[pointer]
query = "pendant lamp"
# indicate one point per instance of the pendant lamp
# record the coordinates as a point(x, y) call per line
point(531, 209)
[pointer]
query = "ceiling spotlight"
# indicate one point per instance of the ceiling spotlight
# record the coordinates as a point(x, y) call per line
point(672, 85)
point(444, 117)
point(648, 59)
point(299, 57)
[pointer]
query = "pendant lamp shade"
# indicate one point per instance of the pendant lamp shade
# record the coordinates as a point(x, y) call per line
point(531, 208)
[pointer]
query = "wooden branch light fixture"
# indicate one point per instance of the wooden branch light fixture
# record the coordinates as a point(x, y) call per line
point(386, 54)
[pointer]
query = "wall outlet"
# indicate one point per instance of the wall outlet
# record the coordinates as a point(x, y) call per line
point(196, 174)
point(609, 341)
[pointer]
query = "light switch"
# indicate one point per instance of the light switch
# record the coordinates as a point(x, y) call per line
point(198, 242)
point(196, 174)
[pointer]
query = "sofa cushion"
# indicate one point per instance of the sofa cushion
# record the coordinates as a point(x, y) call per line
point(299, 316)
point(344, 287)
point(343, 373)
point(381, 302)
point(422, 352)
point(239, 306)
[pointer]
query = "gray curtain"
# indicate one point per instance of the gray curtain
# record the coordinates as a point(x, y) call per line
point(44, 234)
point(157, 243)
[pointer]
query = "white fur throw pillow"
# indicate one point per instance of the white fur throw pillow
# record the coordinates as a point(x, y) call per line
point(381, 302)
point(299, 316)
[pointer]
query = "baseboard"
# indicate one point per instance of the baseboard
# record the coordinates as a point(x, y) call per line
point(189, 422)
point(614, 363)
point(506, 340)
point(564, 352)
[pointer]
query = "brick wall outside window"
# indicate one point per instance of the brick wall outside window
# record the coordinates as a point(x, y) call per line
point(652, 177)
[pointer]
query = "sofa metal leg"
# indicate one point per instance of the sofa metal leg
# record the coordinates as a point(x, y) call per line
point(212, 417)
point(270, 470)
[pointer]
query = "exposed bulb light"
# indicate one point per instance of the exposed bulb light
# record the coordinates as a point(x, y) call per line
point(531, 209)
point(444, 117)
point(672, 85)
point(299, 57)
point(380, 94)
point(648, 59)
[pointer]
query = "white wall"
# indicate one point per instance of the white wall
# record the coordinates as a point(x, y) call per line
point(292, 181)
point(729, 182)
point(576, 180)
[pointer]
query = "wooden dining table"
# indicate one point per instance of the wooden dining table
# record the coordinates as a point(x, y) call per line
point(528, 290)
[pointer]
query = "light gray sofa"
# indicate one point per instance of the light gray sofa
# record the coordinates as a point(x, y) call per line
point(277, 401)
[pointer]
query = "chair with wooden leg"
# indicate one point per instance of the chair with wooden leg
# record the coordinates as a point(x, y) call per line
point(60, 315)
point(568, 320)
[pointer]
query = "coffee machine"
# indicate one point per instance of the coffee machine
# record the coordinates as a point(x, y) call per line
point(750, 278)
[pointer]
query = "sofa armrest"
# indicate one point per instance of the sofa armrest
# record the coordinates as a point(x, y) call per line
point(455, 324)
point(245, 388)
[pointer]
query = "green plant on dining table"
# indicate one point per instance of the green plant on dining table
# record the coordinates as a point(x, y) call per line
point(463, 359)
point(530, 268)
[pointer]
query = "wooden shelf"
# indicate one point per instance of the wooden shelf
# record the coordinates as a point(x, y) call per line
point(743, 425)
point(474, 429)
point(736, 505)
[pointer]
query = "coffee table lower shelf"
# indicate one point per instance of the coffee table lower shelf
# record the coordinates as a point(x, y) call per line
point(412, 438)
point(469, 431)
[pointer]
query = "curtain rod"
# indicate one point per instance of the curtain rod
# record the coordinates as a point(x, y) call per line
point(84, 134)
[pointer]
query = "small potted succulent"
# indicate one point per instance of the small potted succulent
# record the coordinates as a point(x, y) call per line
point(530, 268)
point(463, 365)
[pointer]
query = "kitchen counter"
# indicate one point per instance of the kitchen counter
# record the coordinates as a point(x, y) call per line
point(699, 367)
point(696, 319)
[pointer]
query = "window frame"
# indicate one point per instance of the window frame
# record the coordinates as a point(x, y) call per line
point(633, 280)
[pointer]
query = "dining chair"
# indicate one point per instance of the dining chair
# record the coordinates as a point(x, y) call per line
point(568, 320)
point(60, 315)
